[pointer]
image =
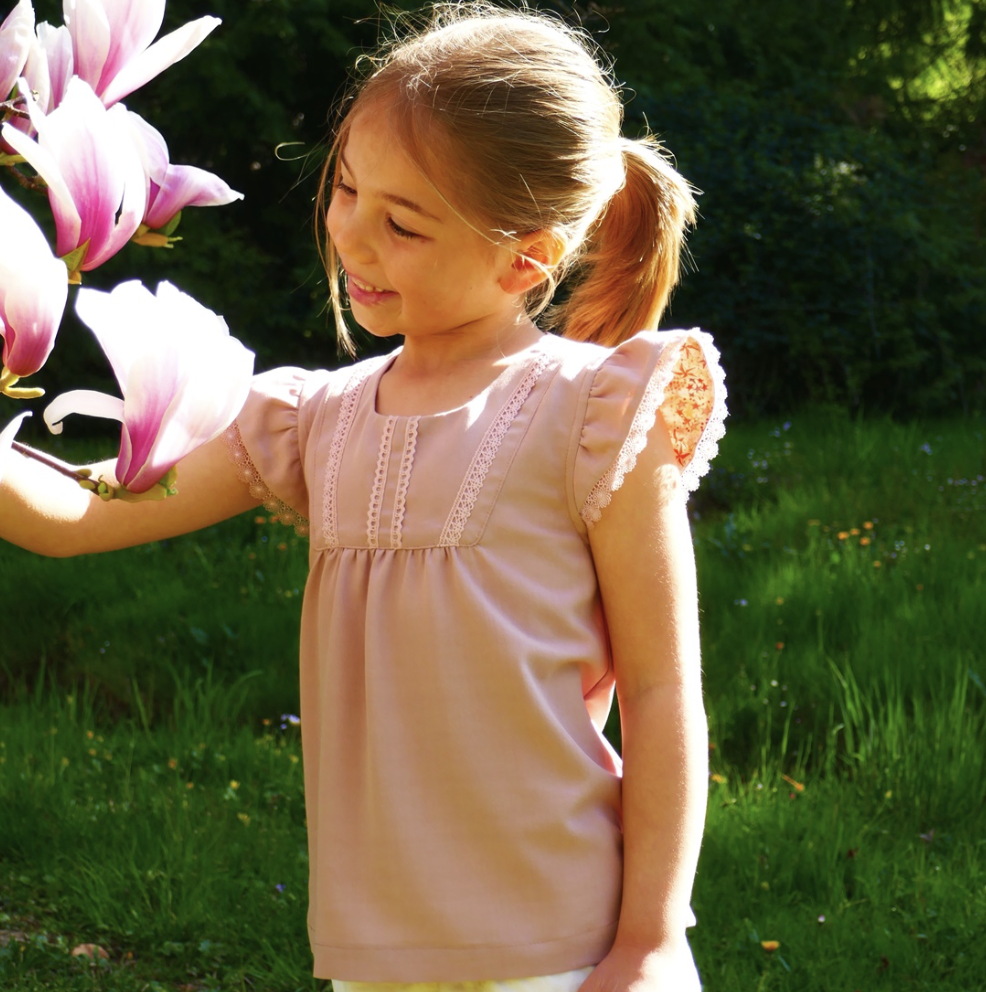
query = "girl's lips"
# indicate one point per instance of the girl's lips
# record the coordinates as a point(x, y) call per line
point(365, 293)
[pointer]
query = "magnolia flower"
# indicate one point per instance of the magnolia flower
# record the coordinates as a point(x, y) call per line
point(110, 40)
point(15, 38)
point(183, 377)
point(33, 288)
point(96, 183)
point(7, 438)
point(171, 188)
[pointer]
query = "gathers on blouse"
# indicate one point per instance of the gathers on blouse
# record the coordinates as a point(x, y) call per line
point(463, 805)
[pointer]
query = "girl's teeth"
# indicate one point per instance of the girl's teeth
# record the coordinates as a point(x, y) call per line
point(366, 287)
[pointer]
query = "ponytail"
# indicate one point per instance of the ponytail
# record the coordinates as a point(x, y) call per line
point(633, 256)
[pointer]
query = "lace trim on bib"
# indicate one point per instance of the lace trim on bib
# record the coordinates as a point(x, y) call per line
point(347, 411)
point(379, 482)
point(694, 410)
point(403, 483)
point(248, 473)
point(472, 484)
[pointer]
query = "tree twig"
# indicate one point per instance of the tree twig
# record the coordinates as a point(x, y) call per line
point(76, 474)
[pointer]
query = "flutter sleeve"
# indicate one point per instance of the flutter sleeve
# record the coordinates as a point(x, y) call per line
point(674, 372)
point(267, 442)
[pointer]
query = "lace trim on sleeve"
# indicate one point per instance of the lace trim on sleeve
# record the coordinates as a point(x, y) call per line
point(248, 474)
point(694, 410)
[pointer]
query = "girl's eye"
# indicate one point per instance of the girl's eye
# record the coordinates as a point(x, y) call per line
point(343, 188)
point(398, 230)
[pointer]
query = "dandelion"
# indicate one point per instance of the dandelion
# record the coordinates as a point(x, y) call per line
point(867, 526)
point(779, 601)
point(189, 785)
point(282, 546)
point(172, 763)
point(798, 786)
point(260, 520)
point(244, 818)
point(779, 645)
point(814, 523)
point(92, 752)
point(877, 564)
point(854, 531)
point(294, 759)
point(718, 779)
point(770, 945)
point(233, 784)
point(843, 535)
point(863, 541)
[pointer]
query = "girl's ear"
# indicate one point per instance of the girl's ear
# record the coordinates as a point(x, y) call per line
point(533, 257)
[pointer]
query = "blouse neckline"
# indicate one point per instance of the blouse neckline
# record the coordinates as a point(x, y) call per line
point(519, 364)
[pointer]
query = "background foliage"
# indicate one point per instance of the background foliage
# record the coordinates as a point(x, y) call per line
point(840, 146)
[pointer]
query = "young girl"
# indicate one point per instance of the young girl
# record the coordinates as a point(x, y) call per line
point(498, 528)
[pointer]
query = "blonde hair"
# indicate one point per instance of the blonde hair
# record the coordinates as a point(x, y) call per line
point(512, 110)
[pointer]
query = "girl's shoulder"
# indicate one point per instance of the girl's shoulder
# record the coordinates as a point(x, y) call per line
point(622, 390)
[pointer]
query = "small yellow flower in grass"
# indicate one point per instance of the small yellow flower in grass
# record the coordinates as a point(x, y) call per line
point(294, 759)
point(765, 886)
point(64, 762)
point(282, 546)
point(843, 534)
point(189, 785)
point(92, 752)
point(770, 945)
point(878, 564)
point(233, 784)
point(814, 523)
point(863, 541)
point(265, 722)
point(244, 818)
point(89, 734)
point(919, 587)
point(718, 779)
point(779, 645)
point(868, 525)
point(260, 520)
point(854, 531)
point(798, 786)
point(172, 763)
point(779, 601)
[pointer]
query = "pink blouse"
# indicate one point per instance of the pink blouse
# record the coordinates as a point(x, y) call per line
point(463, 805)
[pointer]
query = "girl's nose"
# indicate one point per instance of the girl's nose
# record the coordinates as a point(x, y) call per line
point(349, 235)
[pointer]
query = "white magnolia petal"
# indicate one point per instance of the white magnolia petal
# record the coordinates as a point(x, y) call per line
point(133, 26)
point(85, 401)
point(151, 147)
point(33, 290)
point(15, 39)
point(90, 30)
point(57, 45)
point(67, 219)
point(7, 438)
point(170, 49)
point(122, 321)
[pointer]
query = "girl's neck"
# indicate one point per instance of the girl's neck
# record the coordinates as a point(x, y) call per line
point(436, 374)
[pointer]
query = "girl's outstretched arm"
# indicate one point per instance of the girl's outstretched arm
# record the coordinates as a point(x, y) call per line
point(645, 563)
point(46, 512)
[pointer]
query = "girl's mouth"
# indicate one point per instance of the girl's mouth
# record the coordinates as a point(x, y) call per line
point(365, 292)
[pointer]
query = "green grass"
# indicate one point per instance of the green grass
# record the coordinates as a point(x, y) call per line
point(842, 571)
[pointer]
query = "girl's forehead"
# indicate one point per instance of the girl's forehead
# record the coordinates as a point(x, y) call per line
point(374, 152)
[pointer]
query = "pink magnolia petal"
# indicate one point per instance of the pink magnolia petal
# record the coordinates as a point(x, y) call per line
point(89, 27)
point(37, 74)
point(170, 49)
point(133, 26)
point(183, 377)
point(57, 45)
point(15, 37)
point(7, 438)
point(187, 186)
point(151, 146)
point(33, 290)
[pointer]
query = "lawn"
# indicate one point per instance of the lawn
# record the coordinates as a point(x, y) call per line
point(151, 798)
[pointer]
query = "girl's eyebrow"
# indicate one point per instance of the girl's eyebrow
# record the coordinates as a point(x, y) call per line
point(400, 201)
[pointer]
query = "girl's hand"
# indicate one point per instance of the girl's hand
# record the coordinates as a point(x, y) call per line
point(635, 969)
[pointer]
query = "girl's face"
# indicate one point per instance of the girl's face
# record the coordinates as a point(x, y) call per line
point(413, 266)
